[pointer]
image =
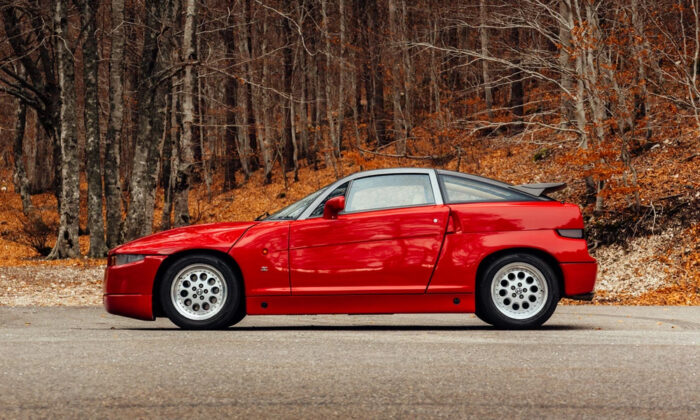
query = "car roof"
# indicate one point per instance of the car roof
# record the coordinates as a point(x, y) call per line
point(404, 170)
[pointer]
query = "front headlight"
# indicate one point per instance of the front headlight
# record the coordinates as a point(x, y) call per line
point(121, 259)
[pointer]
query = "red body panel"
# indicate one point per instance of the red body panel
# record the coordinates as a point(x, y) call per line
point(359, 304)
point(387, 261)
point(579, 277)
point(462, 253)
point(214, 236)
point(262, 254)
point(509, 217)
point(387, 251)
point(133, 306)
point(481, 229)
point(134, 278)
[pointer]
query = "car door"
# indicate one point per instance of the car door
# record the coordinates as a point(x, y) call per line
point(386, 240)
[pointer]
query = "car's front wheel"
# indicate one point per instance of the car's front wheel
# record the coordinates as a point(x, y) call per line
point(201, 292)
point(517, 291)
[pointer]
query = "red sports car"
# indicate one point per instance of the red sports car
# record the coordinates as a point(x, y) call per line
point(375, 242)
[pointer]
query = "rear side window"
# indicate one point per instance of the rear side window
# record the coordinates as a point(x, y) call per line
point(463, 190)
point(388, 191)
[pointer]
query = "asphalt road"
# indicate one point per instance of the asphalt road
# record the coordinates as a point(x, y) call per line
point(586, 362)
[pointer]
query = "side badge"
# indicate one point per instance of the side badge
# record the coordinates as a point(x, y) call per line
point(263, 268)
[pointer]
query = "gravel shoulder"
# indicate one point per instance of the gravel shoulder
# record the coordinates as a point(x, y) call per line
point(37, 285)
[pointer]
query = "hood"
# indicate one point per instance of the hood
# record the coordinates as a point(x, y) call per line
point(214, 236)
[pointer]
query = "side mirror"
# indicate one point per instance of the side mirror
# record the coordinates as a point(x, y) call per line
point(333, 206)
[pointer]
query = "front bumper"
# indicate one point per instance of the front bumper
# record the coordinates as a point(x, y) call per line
point(132, 306)
point(128, 288)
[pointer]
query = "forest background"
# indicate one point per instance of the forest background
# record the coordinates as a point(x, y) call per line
point(124, 117)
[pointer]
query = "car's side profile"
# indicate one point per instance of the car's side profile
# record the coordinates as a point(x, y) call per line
point(405, 240)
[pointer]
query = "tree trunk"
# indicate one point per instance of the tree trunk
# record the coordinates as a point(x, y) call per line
point(247, 55)
point(207, 161)
point(396, 85)
point(20, 177)
point(181, 189)
point(341, 79)
point(112, 185)
point(93, 164)
point(640, 49)
point(379, 114)
point(288, 161)
point(233, 157)
point(67, 245)
point(149, 114)
point(170, 155)
point(329, 149)
point(566, 106)
point(486, 76)
point(41, 179)
point(303, 109)
point(264, 110)
point(516, 85)
point(244, 100)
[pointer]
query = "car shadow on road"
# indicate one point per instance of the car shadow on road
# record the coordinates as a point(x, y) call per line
point(372, 328)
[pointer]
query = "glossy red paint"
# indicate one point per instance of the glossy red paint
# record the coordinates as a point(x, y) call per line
point(133, 306)
point(463, 252)
point(510, 217)
point(415, 259)
point(482, 229)
point(133, 278)
point(213, 236)
point(263, 257)
point(128, 288)
point(360, 304)
point(333, 206)
point(579, 277)
point(384, 251)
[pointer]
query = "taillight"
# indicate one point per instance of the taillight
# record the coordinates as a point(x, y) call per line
point(571, 233)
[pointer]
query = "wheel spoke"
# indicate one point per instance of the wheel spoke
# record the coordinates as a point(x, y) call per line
point(199, 292)
point(519, 290)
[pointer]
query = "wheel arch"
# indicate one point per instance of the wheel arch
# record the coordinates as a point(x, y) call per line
point(228, 259)
point(544, 255)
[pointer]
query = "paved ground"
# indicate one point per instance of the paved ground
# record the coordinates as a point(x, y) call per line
point(586, 362)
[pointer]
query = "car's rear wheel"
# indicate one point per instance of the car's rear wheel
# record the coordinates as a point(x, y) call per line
point(201, 292)
point(517, 291)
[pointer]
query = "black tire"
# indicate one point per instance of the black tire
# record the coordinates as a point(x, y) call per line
point(229, 311)
point(507, 312)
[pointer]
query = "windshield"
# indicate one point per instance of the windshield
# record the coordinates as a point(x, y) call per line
point(292, 211)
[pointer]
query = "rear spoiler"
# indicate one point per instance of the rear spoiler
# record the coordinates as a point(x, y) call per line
point(540, 189)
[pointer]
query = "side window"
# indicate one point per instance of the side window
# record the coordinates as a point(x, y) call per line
point(318, 211)
point(463, 190)
point(387, 191)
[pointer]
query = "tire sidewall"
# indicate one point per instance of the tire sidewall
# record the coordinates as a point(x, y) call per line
point(231, 307)
point(487, 307)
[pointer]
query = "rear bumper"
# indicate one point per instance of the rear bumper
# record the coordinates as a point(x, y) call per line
point(132, 306)
point(579, 278)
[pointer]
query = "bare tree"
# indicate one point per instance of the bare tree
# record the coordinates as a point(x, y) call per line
point(20, 176)
point(181, 189)
point(112, 185)
point(93, 163)
point(150, 114)
point(67, 245)
point(485, 75)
